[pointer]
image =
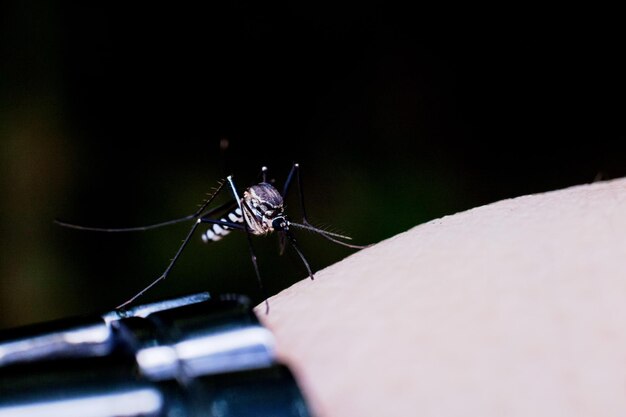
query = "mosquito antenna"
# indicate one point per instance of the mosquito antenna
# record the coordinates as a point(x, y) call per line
point(320, 231)
point(329, 235)
point(199, 212)
point(295, 170)
point(339, 242)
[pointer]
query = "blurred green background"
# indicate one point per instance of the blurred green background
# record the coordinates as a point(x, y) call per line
point(112, 114)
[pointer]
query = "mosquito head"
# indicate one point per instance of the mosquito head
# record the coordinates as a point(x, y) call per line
point(266, 209)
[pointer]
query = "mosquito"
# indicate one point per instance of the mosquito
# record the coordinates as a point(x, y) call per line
point(259, 212)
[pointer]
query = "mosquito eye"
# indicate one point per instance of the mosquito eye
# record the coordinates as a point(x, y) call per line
point(279, 223)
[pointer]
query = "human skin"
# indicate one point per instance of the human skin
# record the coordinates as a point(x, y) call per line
point(517, 308)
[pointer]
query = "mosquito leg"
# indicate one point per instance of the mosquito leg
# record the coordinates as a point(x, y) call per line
point(255, 264)
point(224, 223)
point(257, 272)
point(301, 194)
point(282, 240)
point(178, 253)
point(292, 241)
point(199, 212)
point(183, 245)
point(248, 236)
point(295, 170)
point(169, 267)
point(209, 200)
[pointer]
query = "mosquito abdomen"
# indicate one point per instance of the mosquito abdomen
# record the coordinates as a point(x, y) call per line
point(216, 232)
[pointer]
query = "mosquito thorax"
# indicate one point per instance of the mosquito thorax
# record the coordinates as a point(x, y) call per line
point(266, 207)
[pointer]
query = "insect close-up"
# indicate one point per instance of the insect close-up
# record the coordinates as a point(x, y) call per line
point(258, 212)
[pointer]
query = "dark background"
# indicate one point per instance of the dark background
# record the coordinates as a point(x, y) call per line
point(112, 115)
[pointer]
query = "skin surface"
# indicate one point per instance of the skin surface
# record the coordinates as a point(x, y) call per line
point(517, 308)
